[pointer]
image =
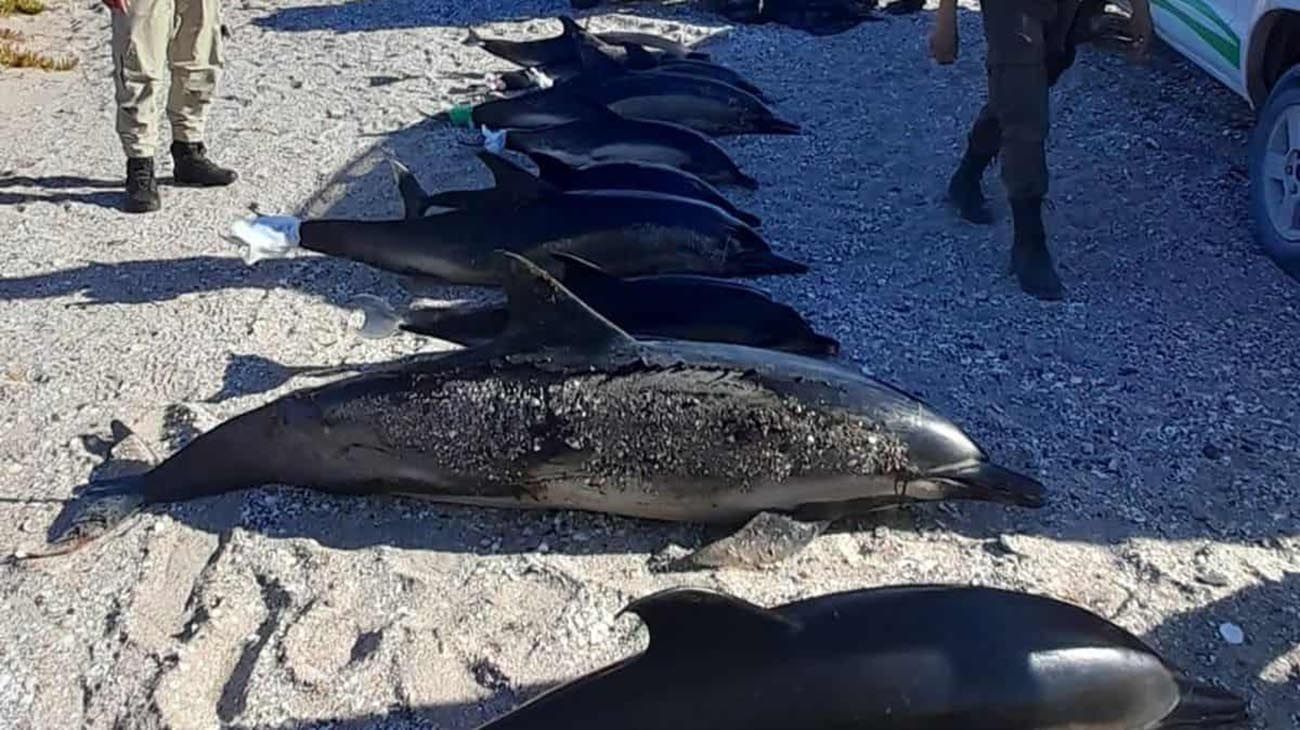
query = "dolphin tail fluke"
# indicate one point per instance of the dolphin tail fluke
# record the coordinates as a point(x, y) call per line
point(96, 511)
point(267, 236)
point(472, 38)
point(1204, 705)
point(378, 318)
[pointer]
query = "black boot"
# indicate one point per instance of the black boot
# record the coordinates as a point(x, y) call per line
point(1030, 260)
point(194, 168)
point(964, 189)
point(141, 186)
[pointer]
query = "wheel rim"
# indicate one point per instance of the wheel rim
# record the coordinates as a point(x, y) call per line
point(1282, 174)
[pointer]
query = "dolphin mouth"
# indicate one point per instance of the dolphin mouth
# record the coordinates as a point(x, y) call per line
point(989, 482)
point(1204, 705)
point(764, 263)
point(781, 126)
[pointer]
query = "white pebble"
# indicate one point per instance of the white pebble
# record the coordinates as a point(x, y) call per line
point(1232, 633)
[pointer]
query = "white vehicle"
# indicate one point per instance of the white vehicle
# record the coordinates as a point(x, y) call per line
point(1253, 46)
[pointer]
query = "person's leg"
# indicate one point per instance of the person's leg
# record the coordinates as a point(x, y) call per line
point(982, 146)
point(195, 59)
point(139, 47)
point(1018, 89)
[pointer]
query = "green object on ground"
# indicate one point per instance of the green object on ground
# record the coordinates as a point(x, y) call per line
point(462, 115)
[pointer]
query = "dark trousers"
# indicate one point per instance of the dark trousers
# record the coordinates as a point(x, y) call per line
point(1029, 47)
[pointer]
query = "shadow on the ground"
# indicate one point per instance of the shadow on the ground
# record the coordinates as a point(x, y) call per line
point(1266, 613)
point(447, 716)
point(58, 189)
point(251, 374)
point(360, 16)
point(137, 282)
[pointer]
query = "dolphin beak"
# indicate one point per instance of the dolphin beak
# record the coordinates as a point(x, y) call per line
point(981, 480)
point(1205, 705)
point(764, 263)
point(780, 126)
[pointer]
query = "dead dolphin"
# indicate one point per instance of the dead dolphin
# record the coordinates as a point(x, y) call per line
point(636, 176)
point(633, 59)
point(907, 657)
point(565, 410)
point(560, 49)
point(650, 307)
point(609, 137)
point(625, 232)
point(642, 176)
point(705, 105)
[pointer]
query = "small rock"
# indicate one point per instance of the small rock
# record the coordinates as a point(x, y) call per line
point(1232, 633)
point(1210, 451)
point(1212, 577)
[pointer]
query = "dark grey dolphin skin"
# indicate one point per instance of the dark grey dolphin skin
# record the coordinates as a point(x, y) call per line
point(705, 105)
point(561, 48)
point(633, 59)
point(642, 176)
point(609, 137)
point(636, 176)
point(565, 410)
point(625, 232)
point(650, 307)
point(908, 657)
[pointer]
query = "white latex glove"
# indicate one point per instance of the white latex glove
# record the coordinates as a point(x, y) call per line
point(267, 236)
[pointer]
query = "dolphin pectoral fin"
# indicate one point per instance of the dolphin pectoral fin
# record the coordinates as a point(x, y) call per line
point(767, 539)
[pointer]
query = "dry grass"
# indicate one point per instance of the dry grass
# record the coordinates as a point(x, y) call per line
point(26, 7)
point(13, 55)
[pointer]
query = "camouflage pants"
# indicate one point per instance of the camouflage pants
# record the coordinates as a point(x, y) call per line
point(1028, 49)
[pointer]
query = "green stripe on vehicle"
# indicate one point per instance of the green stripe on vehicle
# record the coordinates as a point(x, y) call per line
point(1229, 47)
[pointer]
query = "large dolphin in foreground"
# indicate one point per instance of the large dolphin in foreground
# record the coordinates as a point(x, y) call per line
point(565, 410)
point(625, 232)
point(910, 657)
point(650, 307)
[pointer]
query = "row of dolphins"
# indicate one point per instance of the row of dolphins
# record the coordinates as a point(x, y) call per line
point(626, 371)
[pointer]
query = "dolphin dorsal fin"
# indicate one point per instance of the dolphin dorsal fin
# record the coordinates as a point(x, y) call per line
point(544, 314)
point(639, 58)
point(579, 271)
point(595, 60)
point(512, 181)
point(414, 197)
point(681, 618)
point(570, 26)
point(552, 169)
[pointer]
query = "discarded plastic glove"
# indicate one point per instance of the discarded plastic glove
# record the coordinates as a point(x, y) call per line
point(267, 236)
point(379, 320)
point(542, 80)
point(494, 142)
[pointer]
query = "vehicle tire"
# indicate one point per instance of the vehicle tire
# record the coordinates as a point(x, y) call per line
point(1275, 174)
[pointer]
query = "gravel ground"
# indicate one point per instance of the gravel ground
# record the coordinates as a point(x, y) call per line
point(1160, 403)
